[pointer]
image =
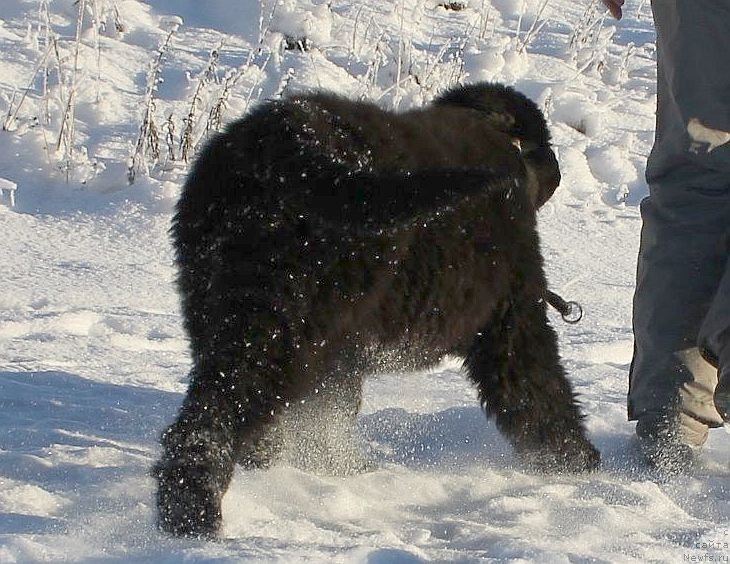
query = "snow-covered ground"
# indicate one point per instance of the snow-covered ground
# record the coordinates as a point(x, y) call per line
point(93, 360)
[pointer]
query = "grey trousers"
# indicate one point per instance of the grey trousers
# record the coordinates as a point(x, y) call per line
point(682, 298)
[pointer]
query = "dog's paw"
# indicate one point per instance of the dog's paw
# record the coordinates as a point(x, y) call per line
point(187, 504)
point(579, 455)
point(572, 455)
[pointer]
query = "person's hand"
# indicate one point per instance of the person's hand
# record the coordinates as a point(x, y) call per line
point(614, 7)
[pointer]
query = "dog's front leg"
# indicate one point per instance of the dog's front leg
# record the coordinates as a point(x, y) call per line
point(515, 365)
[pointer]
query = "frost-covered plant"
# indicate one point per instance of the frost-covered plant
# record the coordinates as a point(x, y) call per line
point(187, 139)
point(618, 73)
point(284, 82)
point(67, 132)
point(148, 142)
point(588, 45)
point(58, 97)
point(169, 129)
point(534, 29)
point(9, 122)
point(485, 13)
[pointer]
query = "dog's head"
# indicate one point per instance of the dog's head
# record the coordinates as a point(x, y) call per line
point(519, 117)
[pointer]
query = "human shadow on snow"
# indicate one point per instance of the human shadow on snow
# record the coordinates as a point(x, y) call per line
point(40, 409)
point(72, 437)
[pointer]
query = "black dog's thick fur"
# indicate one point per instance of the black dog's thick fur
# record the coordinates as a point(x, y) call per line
point(317, 230)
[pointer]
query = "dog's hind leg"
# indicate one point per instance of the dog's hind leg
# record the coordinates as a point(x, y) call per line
point(239, 383)
point(197, 460)
point(515, 365)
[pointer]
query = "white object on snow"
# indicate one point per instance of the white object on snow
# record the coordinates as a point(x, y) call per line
point(7, 190)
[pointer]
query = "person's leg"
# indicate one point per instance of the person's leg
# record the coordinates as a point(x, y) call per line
point(681, 262)
point(691, 147)
point(683, 252)
point(714, 340)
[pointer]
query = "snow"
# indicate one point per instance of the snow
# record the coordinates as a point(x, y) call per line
point(93, 359)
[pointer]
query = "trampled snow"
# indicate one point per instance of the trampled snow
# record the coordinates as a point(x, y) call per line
point(93, 359)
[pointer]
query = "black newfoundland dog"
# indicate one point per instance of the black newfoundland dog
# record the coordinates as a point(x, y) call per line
point(316, 234)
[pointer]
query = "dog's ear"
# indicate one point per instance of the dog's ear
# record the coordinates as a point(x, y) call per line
point(543, 174)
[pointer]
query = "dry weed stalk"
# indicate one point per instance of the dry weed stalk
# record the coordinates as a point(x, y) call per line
point(148, 138)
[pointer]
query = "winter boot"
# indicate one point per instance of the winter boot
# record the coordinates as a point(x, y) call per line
point(722, 394)
point(670, 443)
